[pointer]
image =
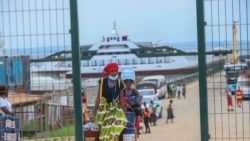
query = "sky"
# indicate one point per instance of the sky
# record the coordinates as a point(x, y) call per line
point(36, 23)
point(142, 20)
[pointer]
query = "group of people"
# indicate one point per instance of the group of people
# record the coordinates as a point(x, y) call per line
point(172, 88)
point(238, 96)
point(115, 98)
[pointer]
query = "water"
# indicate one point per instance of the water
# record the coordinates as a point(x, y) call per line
point(39, 52)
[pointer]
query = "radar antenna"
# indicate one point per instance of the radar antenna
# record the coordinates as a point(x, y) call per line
point(1, 44)
point(114, 31)
point(234, 57)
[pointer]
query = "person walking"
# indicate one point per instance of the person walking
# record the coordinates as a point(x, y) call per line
point(146, 117)
point(109, 107)
point(184, 90)
point(173, 89)
point(229, 100)
point(179, 90)
point(170, 113)
point(85, 111)
point(153, 116)
point(169, 90)
point(239, 95)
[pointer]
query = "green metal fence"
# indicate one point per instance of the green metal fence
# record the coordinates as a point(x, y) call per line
point(49, 107)
point(221, 19)
point(38, 28)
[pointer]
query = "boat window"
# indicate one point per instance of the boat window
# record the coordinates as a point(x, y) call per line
point(84, 63)
point(134, 61)
point(93, 63)
point(151, 60)
point(124, 38)
point(101, 62)
point(144, 60)
point(126, 61)
point(114, 60)
point(139, 60)
point(167, 59)
point(120, 46)
point(149, 51)
point(159, 59)
point(61, 64)
point(69, 65)
point(120, 61)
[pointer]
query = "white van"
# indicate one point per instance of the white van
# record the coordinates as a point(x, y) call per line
point(161, 89)
point(243, 82)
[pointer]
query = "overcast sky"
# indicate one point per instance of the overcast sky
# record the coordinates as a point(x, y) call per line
point(30, 23)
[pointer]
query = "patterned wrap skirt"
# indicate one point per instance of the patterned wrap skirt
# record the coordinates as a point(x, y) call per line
point(111, 120)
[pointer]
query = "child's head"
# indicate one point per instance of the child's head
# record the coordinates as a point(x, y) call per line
point(128, 83)
point(171, 101)
point(128, 77)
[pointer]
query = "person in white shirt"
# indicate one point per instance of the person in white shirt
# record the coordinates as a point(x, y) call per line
point(179, 89)
point(5, 105)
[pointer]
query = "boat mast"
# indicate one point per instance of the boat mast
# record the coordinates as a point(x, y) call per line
point(114, 31)
point(234, 57)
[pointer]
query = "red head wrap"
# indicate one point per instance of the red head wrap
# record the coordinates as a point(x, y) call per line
point(84, 98)
point(110, 67)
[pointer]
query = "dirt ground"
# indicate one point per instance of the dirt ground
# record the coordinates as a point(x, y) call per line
point(186, 122)
point(223, 124)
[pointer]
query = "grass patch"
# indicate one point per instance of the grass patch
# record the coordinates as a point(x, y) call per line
point(61, 132)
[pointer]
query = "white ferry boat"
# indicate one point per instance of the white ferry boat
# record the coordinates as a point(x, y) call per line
point(144, 58)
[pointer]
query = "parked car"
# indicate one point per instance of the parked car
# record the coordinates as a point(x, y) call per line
point(161, 86)
point(147, 85)
point(144, 92)
point(243, 82)
point(154, 98)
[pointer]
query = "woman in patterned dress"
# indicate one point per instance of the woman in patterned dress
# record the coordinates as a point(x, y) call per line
point(109, 107)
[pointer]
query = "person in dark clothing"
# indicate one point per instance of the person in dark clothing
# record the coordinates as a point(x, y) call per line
point(184, 90)
point(170, 113)
point(146, 115)
point(169, 90)
point(153, 117)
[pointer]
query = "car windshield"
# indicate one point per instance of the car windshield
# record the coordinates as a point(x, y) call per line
point(148, 99)
point(146, 92)
point(145, 86)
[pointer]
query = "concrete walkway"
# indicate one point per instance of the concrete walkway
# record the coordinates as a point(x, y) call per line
point(186, 122)
point(223, 124)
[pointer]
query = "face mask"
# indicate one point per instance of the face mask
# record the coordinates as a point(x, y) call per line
point(113, 77)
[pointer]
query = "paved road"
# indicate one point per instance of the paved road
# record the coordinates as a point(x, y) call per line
point(186, 123)
point(223, 125)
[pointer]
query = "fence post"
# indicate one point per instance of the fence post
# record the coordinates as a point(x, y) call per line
point(76, 70)
point(202, 70)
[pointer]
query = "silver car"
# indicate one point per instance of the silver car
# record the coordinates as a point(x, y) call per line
point(154, 98)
